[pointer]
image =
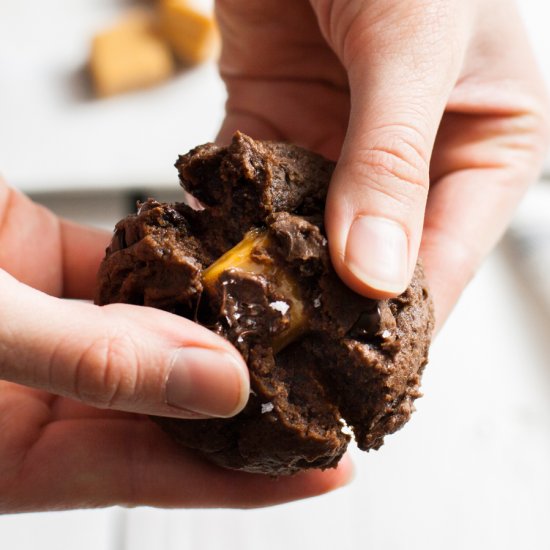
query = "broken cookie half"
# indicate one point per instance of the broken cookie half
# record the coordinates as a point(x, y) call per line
point(253, 266)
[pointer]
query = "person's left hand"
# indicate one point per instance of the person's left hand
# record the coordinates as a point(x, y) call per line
point(59, 453)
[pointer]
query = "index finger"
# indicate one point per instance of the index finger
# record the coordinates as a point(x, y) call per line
point(43, 251)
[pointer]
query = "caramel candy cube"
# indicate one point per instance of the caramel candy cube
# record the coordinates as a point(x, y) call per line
point(193, 34)
point(130, 56)
point(243, 257)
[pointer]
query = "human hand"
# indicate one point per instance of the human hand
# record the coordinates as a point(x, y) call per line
point(434, 109)
point(77, 380)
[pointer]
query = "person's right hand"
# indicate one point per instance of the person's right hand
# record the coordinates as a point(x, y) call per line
point(434, 110)
point(73, 376)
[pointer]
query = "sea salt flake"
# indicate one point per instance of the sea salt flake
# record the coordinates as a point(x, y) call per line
point(240, 339)
point(317, 302)
point(267, 407)
point(280, 306)
point(386, 334)
point(345, 428)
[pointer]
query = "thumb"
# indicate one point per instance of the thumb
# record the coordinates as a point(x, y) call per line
point(122, 357)
point(401, 70)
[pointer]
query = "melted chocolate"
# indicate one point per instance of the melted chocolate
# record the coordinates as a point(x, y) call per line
point(367, 326)
point(119, 240)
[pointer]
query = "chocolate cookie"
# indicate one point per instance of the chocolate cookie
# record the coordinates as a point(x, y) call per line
point(253, 266)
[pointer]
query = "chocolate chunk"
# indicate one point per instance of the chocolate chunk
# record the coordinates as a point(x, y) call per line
point(367, 326)
point(119, 240)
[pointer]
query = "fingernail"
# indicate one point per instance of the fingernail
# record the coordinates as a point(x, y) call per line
point(208, 382)
point(377, 253)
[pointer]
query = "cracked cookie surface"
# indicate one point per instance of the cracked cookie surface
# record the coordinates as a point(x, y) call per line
point(253, 266)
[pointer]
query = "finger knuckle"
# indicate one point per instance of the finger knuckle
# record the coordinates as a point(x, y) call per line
point(394, 164)
point(522, 148)
point(107, 371)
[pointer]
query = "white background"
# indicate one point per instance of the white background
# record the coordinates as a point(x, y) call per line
point(472, 468)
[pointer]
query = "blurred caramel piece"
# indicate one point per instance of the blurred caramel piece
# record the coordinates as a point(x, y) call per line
point(247, 256)
point(192, 33)
point(130, 56)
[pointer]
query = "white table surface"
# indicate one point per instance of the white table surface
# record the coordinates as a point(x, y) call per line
point(54, 135)
point(472, 468)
